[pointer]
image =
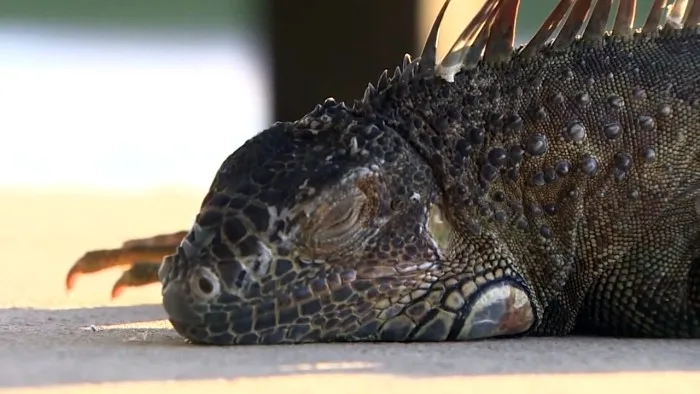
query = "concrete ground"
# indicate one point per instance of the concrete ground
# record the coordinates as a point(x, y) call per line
point(53, 342)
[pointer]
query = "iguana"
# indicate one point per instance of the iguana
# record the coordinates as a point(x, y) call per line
point(564, 174)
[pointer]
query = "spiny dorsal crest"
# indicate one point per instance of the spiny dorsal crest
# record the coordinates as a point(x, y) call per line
point(490, 35)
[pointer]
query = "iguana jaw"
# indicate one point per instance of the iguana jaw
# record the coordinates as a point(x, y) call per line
point(422, 300)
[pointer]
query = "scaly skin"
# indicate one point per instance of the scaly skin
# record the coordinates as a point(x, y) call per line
point(566, 175)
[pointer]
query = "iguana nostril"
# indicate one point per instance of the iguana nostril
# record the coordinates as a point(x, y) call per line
point(205, 286)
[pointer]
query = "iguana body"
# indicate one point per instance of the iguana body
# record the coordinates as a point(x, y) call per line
point(567, 174)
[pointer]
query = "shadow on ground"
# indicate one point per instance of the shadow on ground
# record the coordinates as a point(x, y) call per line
point(40, 347)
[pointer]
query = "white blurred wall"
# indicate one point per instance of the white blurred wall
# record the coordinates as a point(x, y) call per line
point(115, 110)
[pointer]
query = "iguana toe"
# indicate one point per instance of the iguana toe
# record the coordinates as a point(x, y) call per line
point(140, 274)
point(143, 255)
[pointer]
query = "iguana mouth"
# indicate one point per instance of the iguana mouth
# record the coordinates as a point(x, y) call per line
point(499, 309)
point(180, 299)
point(178, 307)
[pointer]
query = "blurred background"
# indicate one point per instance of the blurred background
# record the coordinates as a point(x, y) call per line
point(129, 93)
point(135, 94)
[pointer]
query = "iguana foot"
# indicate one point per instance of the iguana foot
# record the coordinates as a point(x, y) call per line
point(142, 255)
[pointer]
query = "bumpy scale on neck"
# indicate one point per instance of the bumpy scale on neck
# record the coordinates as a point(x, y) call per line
point(547, 139)
point(480, 136)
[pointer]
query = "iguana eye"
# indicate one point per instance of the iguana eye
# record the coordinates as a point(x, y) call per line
point(340, 217)
point(333, 224)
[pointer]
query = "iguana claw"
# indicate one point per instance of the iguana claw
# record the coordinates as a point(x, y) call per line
point(142, 255)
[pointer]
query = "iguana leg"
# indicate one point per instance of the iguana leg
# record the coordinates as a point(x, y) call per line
point(143, 255)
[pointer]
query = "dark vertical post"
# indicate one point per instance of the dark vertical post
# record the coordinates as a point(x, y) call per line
point(323, 48)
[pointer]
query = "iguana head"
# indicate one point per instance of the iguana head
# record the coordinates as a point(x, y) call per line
point(313, 230)
point(320, 229)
